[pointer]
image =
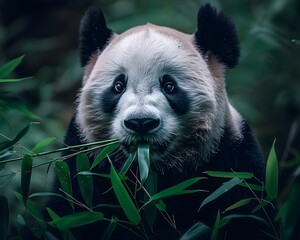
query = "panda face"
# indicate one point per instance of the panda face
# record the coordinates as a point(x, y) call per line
point(151, 85)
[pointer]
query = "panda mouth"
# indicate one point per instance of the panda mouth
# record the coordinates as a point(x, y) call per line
point(157, 149)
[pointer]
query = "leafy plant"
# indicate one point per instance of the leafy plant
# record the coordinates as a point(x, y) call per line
point(131, 209)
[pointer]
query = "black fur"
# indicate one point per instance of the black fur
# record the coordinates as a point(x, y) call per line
point(178, 99)
point(216, 34)
point(110, 97)
point(93, 34)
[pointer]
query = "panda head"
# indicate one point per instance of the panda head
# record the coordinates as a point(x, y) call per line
point(156, 85)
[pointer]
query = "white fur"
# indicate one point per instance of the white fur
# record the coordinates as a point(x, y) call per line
point(235, 122)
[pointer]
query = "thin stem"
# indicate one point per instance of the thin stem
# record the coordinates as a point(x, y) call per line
point(67, 156)
point(166, 216)
point(265, 212)
point(107, 142)
point(76, 201)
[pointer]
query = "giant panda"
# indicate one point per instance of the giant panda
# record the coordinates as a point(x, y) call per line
point(157, 85)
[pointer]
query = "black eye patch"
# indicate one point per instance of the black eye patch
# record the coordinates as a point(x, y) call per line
point(177, 97)
point(112, 95)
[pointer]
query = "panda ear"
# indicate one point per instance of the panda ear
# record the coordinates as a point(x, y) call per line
point(216, 34)
point(93, 34)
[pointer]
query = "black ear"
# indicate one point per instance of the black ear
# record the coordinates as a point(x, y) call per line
point(217, 34)
point(93, 34)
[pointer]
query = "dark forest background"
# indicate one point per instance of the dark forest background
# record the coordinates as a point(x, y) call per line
point(264, 88)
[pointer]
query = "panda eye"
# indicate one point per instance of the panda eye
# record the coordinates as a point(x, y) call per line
point(168, 84)
point(120, 82)
point(119, 87)
point(169, 87)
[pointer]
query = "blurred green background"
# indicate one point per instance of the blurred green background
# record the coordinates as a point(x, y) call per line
point(265, 87)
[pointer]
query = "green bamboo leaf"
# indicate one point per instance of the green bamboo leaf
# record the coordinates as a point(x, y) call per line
point(45, 194)
point(161, 206)
point(9, 143)
point(106, 206)
point(85, 182)
point(238, 204)
point(196, 231)
point(260, 205)
point(123, 197)
point(20, 107)
point(76, 220)
point(63, 174)
point(221, 190)
point(216, 227)
point(52, 214)
point(144, 161)
point(272, 174)
point(26, 176)
point(105, 175)
point(10, 66)
point(105, 152)
point(244, 175)
point(42, 144)
point(178, 189)
point(14, 80)
point(110, 229)
point(254, 187)
point(226, 219)
point(63, 232)
point(127, 163)
point(4, 217)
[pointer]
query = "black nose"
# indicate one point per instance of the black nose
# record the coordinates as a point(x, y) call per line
point(141, 125)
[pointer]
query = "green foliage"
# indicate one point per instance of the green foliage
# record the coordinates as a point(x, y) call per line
point(131, 209)
point(42, 144)
point(6, 145)
point(238, 204)
point(76, 220)
point(245, 175)
point(7, 101)
point(110, 229)
point(8, 68)
point(102, 155)
point(64, 177)
point(143, 153)
point(26, 170)
point(215, 227)
point(221, 190)
point(85, 182)
point(176, 190)
point(124, 198)
point(197, 230)
point(272, 174)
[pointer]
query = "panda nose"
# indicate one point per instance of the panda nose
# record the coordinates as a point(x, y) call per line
point(141, 125)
